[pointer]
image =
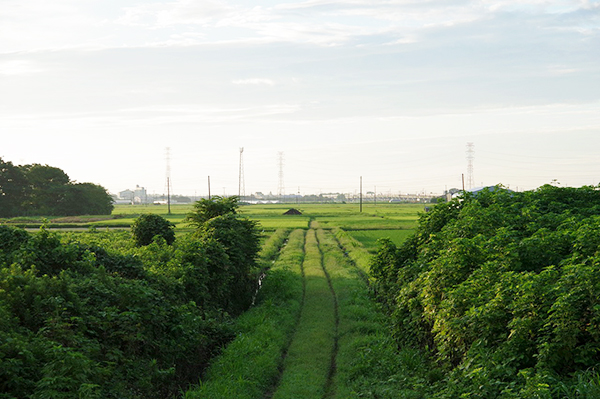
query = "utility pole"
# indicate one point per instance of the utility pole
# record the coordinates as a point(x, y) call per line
point(209, 188)
point(280, 187)
point(361, 194)
point(168, 196)
point(241, 184)
point(168, 150)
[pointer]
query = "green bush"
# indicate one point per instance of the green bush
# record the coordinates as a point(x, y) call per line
point(502, 289)
point(206, 209)
point(95, 315)
point(150, 225)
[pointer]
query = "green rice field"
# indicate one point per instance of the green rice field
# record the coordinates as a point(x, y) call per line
point(394, 221)
point(368, 238)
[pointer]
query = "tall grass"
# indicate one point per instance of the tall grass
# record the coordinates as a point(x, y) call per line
point(368, 364)
point(271, 247)
point(355, 251)
point(369, 238)
point(333, 344)
point(250, 365)
point(308, 360)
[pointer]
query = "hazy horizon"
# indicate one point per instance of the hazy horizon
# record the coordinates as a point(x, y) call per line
point(391, 91)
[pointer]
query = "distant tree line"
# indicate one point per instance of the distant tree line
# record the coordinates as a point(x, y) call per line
point(30, 190)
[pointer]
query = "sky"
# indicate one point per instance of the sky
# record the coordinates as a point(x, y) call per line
point(390, 91)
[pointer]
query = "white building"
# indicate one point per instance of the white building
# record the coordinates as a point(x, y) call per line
point(137, 196)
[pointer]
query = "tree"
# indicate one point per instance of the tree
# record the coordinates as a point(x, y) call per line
point(46, 190)
point(47, 185)
point(13, 189)
point(232, 279)
point(235, 275)
point(147, 226)
point(85, 198)
point(206, 209)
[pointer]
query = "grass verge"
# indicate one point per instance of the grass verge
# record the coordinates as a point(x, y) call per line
point(354, 250)
point(308, 361)
point(251, 363)
point(272, 246)
point(368, 364)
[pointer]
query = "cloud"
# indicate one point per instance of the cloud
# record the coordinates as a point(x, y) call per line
point(180, 12)
point(559, 70)
point(33, 24)
point(18, 67)
point(148, 116)
point(254, 81)
point(347, 22)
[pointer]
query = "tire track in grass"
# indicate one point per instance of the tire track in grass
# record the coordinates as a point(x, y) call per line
point(269, 394)
point(366, 362)
point(360, 271)
point(345, 280)
point(307, 370)
point(329, 386)
point(251, 363)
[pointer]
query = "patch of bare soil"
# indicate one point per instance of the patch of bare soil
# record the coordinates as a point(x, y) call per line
point(82, 219)
point(293, 212)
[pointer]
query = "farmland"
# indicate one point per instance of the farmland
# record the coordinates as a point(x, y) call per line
point(394, 221)
point(493, 295)
point(139, 318)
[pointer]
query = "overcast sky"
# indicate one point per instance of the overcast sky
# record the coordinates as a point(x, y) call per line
point(388, 90)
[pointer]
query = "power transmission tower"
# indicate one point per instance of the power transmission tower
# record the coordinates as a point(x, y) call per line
point(168, 158)
point(241, 186)
point(470, 158)
point(280, 187)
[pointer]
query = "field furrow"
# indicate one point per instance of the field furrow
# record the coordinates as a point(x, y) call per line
point(329, 386)
point(308, 365)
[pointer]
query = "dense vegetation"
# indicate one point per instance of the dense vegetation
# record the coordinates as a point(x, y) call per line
point(314, 331)
point(501, 291)
point(96, 316)
point(27, 190)
point(149, 225)
point(251, 364)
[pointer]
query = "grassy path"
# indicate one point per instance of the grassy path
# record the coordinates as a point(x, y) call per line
point(308, 364)
point(251, 365)
point(315, 333)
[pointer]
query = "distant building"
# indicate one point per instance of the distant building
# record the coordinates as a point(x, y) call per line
point(126, 195)
point(137, 196)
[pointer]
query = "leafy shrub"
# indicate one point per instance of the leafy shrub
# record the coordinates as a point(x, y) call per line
point(232, 277)
point(94, 315)
point(12, 238)
point(150, 225)
point(206, 209)
point(502, 289)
